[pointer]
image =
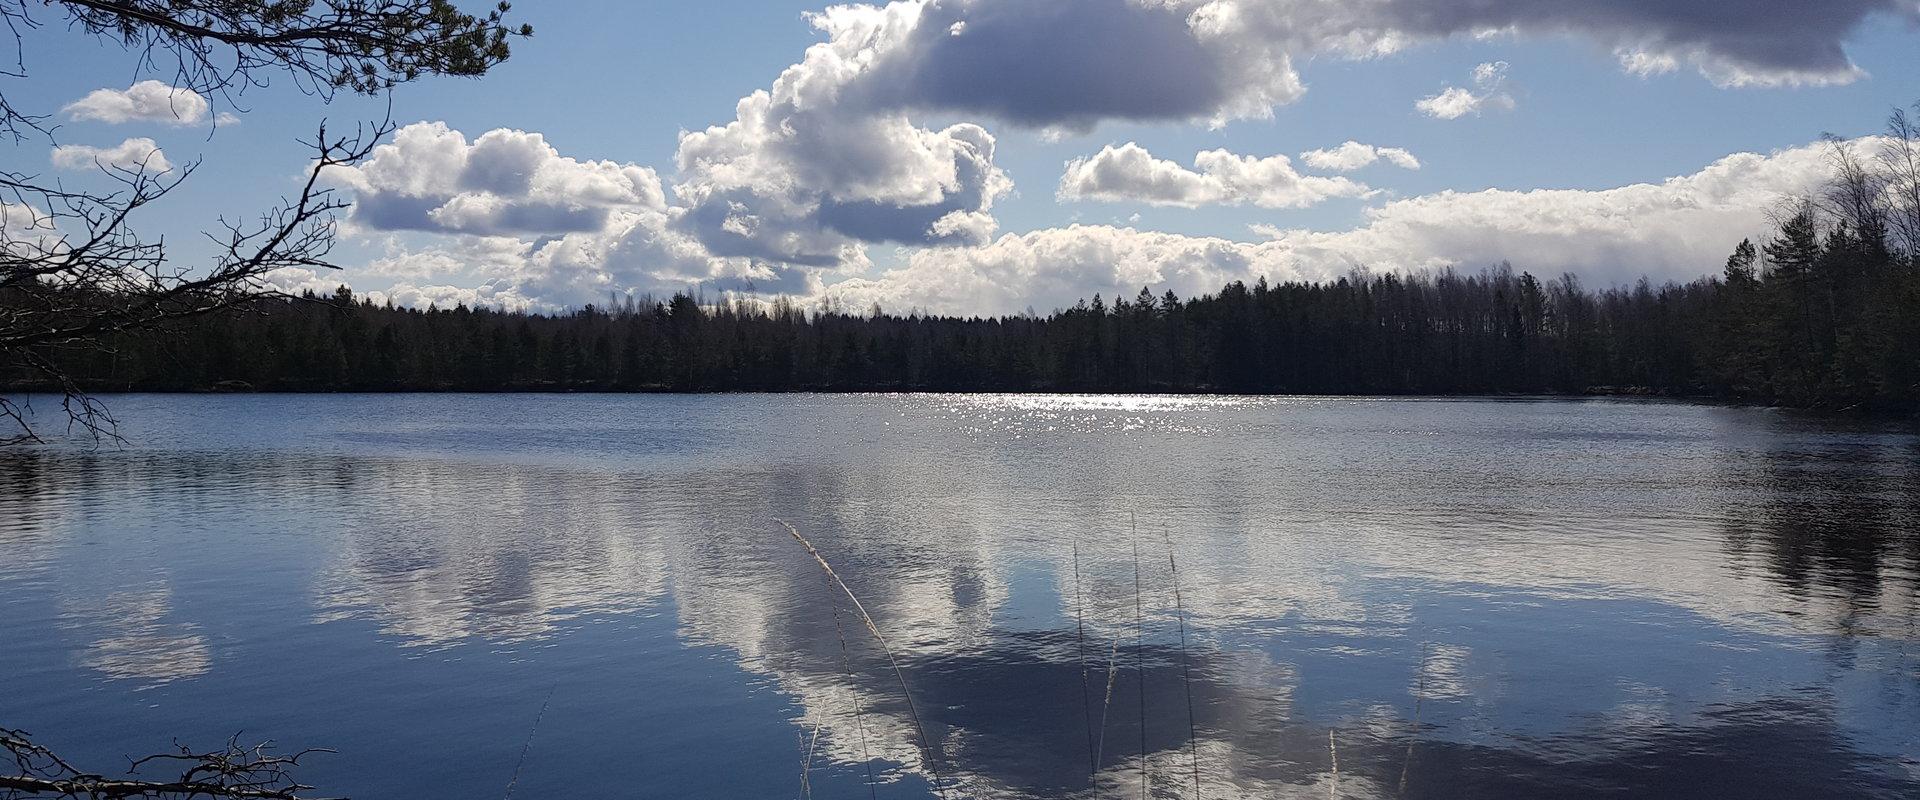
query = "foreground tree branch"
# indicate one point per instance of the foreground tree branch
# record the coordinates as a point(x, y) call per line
point(230, 772)
point(73, 272)
point(222, 47)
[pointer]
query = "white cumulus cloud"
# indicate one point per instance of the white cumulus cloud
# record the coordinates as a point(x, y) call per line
point(809, 170)
point(506, 182)
point(145, 101)
point(1070, 64)
point(1675, 229)
point(1129, 173)
point(1353, 155)
point(138, 153)
point(537, 229)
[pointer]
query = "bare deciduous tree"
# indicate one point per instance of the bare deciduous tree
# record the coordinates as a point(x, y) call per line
point(1899, 158)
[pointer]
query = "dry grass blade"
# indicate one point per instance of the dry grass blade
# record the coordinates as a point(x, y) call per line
point(1113, 671)
point(926, 749)
point(1140, 657)
point(1186, 671)
point(806, 763)
point(1333, 752)
point(527, 746)
point(859, 722)
point(1080, 645)
point(1419, 698)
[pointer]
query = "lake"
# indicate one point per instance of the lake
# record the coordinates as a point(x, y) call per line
point(595, 596)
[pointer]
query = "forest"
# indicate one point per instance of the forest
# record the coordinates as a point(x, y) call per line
point(1823, 314)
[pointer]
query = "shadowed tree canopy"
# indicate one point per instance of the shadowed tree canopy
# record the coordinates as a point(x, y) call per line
point(73, 269)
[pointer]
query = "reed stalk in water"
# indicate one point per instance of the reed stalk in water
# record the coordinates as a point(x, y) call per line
point(1080, 646)
point(859, 723)
point(1419, 697)
point(806, 763)
point(1106, 703)
point(1186, 674)
point(1333, 752)
point(528, 744)
point(1140, 656)
point(926, 748)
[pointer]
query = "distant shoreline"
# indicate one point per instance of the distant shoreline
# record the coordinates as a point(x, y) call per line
point(1595, 393)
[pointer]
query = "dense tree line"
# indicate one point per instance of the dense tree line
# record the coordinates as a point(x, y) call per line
point(1824, 314)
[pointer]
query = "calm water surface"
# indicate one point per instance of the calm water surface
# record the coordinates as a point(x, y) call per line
point(1379, 598)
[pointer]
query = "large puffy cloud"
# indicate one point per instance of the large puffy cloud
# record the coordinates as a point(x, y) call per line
point(1353, 155)
point(300, 280)
point(1128, 173)
point(833, 156)
point(1679, 228)
point(1062, 63)
point(828, 159)
point(487, 256)
point(799, 177)
point(534, 228)
point(1073, 63)
point(429, 178)
point(138, 153)
point(1731, 42)
point(145, 101)
point(636, 253)
point(1054, 267)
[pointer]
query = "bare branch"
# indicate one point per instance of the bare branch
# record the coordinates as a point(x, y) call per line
point(233, 771)
point(73, 272)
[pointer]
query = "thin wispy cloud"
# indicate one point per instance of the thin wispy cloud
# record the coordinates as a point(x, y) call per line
point(1353, 155)
point(1489, 93)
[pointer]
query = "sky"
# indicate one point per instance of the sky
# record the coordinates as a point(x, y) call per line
point(995, 156)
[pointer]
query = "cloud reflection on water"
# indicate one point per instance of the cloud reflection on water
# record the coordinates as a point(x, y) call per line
point(1579, 600)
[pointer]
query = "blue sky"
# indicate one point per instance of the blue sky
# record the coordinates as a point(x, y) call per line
point(621, 81)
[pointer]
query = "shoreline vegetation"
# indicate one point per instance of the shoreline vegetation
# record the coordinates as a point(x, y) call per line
point(1750, 336)
point(1823, 314)
point(1820, 317)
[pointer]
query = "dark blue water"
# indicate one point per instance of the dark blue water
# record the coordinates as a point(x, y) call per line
point(1448, 599)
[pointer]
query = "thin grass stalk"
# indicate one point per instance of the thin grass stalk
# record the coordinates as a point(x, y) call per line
point(1186, 672)
point(859, 722)
point(1140, 656)
point(926, 749)
point(1113, 671)
point(1419, 697)
point(1080, 646)
point(528, 744)
point(806, 764)
point(1333, 752)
